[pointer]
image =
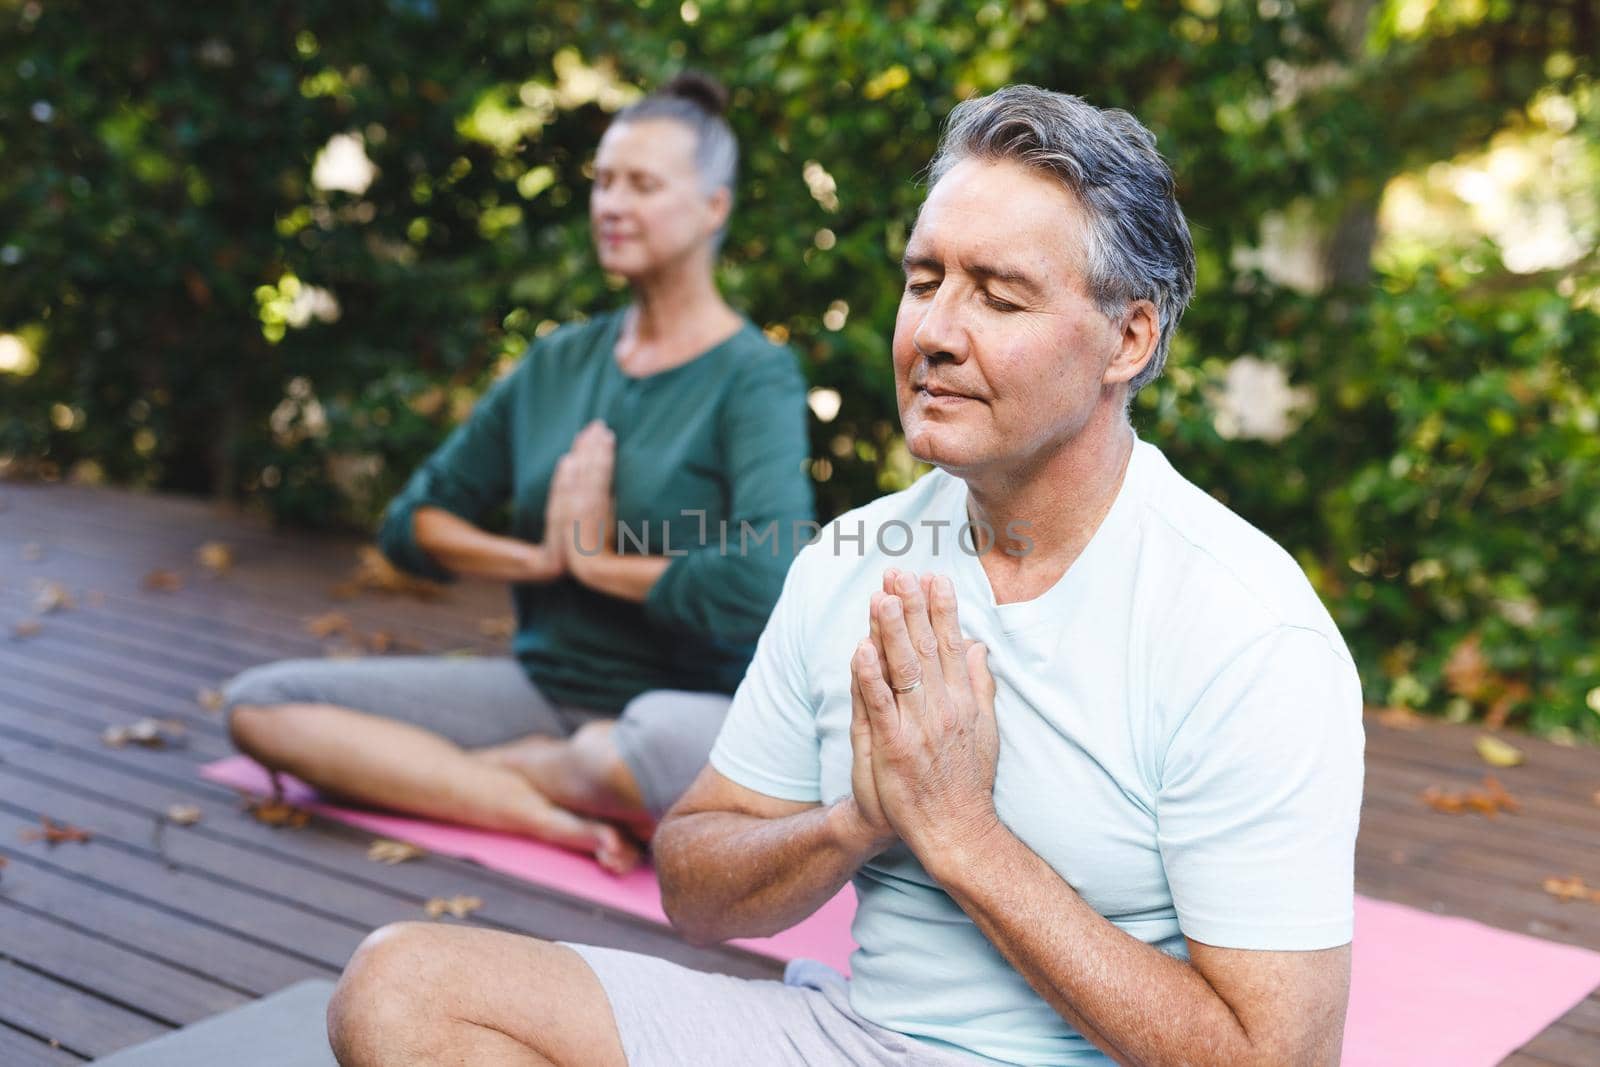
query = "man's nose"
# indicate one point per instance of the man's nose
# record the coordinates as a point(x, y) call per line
point(942, 333)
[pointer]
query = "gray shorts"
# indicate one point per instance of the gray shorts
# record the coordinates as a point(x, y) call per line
point(670, 1016)
point(664, 735)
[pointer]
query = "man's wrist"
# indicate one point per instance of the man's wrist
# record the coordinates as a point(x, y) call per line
point(851, 833)
point(966, 849)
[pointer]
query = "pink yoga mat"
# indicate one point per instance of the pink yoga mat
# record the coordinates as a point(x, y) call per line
point(1426, 990)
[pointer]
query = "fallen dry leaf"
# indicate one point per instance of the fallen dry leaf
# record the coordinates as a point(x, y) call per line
point(500, 626)
point(1498, 794)
point(183, 814)
point(57, 833)
point(344, 591)
point(1596, 798)
point(209, 699)
point(215, 557)
point(373, 573)
point(1498, 753)
point(149, 733)
point(329, 624)
point(32, 553)
point(3, 862)
point(274, 812)
point(460, 907)
point(1571, 888)
point(25, 629)
point(162, 581)
point(1401, 718)
point(392, 852)
point(1488, 801)
point(53, 596)
point(381, 641)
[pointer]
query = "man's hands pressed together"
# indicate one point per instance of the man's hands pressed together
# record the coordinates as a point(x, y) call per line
point(922, 729)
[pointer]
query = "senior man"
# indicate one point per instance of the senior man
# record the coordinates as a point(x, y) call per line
point(1085, 741)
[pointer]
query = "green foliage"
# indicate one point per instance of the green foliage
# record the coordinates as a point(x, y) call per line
point(165, 253)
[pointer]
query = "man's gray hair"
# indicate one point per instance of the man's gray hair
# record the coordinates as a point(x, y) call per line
point(1138, 245)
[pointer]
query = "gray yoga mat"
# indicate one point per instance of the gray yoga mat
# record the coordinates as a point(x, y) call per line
point(286, 1029)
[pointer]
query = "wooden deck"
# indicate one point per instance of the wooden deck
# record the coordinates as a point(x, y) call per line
point(152, 925)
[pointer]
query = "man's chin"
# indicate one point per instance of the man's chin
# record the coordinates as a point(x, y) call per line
point(943, 448)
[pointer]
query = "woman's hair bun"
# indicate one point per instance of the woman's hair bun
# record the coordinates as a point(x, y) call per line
point(700, 89)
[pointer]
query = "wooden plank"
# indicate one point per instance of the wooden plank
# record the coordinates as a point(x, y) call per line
point(289, 577)
point(158, 990)
point(311, 915)
point(1529, 912)
point(1575, 813)
point(18, 1049)
point(85, 1024)
point(1585, 1016)
point(85, 706)
point(1561, 1044)
point(340, 851)
point(158, 931)
point(1446, 746)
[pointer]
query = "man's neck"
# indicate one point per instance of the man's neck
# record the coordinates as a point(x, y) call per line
point(1057, 504)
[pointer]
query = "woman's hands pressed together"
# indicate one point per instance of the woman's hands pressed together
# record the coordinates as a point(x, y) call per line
point(579, 525)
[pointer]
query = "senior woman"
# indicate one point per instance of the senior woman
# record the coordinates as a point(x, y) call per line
point(666, 418)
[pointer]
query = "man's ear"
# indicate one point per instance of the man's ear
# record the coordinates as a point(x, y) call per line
point(1141, 331)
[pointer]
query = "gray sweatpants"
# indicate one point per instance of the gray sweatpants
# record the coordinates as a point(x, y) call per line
point(664, 735)
point(671, 1016)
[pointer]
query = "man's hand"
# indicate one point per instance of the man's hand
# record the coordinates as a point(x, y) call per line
point(929, 703)
point(578, 517)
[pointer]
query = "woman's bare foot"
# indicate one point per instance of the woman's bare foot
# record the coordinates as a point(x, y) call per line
point(611, 847)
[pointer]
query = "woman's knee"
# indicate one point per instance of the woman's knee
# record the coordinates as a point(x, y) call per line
point(594, 747)
point(250, 697)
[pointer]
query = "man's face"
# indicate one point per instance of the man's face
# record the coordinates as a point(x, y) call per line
point(1000, 355)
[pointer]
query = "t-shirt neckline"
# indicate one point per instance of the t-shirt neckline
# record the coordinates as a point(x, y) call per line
point(1052, 603)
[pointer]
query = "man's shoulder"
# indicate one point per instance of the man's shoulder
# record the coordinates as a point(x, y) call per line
point(1216, 570)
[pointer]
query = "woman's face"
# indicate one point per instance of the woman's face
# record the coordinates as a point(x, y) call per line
point(649, 211)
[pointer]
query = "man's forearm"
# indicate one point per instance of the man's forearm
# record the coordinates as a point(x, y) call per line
point(1137, 1003)
point(727, 874)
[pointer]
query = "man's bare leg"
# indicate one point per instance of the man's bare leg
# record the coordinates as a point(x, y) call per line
point(429, 993)
point(390, 764)
point(584, 773)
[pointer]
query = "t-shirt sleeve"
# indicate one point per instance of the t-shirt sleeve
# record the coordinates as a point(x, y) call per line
point(730, 594)
point(467, 476)
point(769, 740)
point(1260, 796)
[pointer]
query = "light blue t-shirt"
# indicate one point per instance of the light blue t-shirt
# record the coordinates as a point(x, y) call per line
point(1180, 740)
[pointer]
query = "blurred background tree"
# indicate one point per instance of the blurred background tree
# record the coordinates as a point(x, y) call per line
point(272, 252)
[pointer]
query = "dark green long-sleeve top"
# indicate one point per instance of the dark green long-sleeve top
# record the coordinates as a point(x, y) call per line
point(723, 435)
